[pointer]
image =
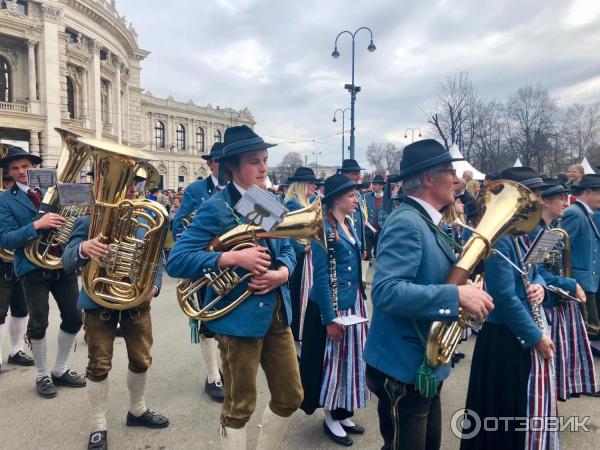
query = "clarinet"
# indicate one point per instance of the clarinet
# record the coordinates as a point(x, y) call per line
point(332, 269)
point(536, 308)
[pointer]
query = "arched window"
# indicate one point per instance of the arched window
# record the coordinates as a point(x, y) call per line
point(218, 136)
point(70, 98)
point(200, 139)
point(5, 87)
point(159, 134)
point(180, 134)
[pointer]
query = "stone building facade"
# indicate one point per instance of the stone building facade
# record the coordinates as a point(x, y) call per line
point(76, 64)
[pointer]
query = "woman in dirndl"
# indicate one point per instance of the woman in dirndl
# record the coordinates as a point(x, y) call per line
point(301, 190)
point(331, 364)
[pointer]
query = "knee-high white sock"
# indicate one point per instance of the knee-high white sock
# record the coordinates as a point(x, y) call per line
point(38, 349)
point(17, 327)
point(136, 383)
point(97, 392)
point(334, 425)
point(65, 345)
point(2, 327)
point(272, 431)
point(209, 355)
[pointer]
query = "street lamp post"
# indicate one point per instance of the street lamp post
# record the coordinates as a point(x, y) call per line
point(412, 133)
point(316, 154)
point(352, 88)
point(343, 111)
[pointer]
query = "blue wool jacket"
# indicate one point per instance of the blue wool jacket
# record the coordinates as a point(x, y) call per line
point(371, 210)
point(413, 262)
point(72, 261)
point(348, 273)
point(359, 222)
point(188, 259)
point(193, 196)
point(585, 246)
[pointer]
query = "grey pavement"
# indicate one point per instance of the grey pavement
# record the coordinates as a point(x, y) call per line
point(175, 388)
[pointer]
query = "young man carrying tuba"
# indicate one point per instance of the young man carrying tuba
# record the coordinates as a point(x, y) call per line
point(257, 331)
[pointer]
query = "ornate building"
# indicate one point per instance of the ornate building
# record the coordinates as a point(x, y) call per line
point(76, 64)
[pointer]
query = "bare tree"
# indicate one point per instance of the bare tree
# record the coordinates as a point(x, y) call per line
point(288, 165)
point(384, 156)
point(530, 122)
point(488, 146)
point(581, 131)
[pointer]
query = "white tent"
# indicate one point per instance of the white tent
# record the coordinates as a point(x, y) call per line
point(462, 166)
point(587, 168)
point(518, 163)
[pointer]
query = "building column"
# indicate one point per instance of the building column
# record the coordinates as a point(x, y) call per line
point(109, 106)
point(117, 96)
point(95, 91)
point(33, 96)
point(84, 98)
point(34, 142)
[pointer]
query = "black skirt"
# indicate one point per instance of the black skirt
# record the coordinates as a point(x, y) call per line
point(295, 290)
point(497, 388)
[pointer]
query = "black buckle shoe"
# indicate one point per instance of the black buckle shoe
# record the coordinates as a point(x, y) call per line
point(21, 359)
point(343, 440)
point(45, 387)
point(69, 379)
point(150, 419)
point(215, 390)
point(98, 441)
point(354, 429)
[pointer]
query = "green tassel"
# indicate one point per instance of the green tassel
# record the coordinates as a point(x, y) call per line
point(427, 382)
point(194, 331)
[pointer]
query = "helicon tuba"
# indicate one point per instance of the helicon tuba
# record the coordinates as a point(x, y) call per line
point(5, 255)
point(45, 251)
point(304, 225)
point(134, 230)
point(506, 207)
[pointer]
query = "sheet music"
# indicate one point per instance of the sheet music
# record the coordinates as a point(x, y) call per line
point(261, 209)
point(72, 194)
point(41, 178)
point(544, 243)
point(352, 319)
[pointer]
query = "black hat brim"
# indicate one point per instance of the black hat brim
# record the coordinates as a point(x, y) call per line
point(561, 191)
point(307, 179)
point(351, 169)
point(7, 160)
point(210, 157)
point(341, 189)
point(246, 149)
point(588, 185)
point(412, 171)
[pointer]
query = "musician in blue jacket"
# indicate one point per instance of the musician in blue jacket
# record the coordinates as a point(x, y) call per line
point(20, 225)
point(522, 348)
point(193, 196)
point(100, 325)
point(257, 331)
point(331, 364)
point(374, 204)
point(352, 170)
point(578, 222)
point(409, 293)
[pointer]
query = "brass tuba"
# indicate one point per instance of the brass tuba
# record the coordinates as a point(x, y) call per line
point(5, 255)
point(506, 207)
point(135, 230)
point(562, 258)
point(304, 225)
point(45, 251)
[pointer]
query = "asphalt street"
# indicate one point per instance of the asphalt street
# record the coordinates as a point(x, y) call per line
point(175, 388)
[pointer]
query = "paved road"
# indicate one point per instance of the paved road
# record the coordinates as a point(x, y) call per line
point(175, 389)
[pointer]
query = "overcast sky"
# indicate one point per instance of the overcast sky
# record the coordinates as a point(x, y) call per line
point(274, 56)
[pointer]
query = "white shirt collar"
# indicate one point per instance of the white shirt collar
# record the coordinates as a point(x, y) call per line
point(214, 180)
point(434, 214)
point(240, 190)
point(23, 187)
point(588, 209)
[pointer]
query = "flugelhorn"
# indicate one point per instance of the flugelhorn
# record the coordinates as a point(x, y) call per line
point(134, 230)
point(506, 207)
point(45, 251)
point(304, 224)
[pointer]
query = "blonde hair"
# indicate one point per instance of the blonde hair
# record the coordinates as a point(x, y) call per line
point(298, 190)
point(472, 187)
point(451, 214)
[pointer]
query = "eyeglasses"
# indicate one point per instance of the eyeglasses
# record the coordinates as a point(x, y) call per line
point(450, 171)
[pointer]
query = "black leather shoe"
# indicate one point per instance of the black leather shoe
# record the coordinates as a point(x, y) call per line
point(356, 429)
point(343, 440)
point(45, 387)
point(98, 441)
point(20, 359)
point(594, 394)
point(215, 390)
point(69, 379)
point(150, 419)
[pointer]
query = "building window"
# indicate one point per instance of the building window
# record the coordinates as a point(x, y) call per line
point(159, 134)
point(5, 87)
point(200, 139)
point(70, 98)
point(218, 136)
point(180, 133)
point(104, 91)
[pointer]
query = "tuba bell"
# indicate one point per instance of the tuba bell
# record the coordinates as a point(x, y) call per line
point(135, 230)
point(45, 251)
point(505, 207)
point(304, 225)
point(5, 255)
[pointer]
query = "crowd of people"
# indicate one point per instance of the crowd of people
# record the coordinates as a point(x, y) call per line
point(303, 316)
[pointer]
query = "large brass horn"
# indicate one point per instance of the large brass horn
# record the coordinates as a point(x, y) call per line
point(304, 225)
point(135, 230)
point(45, 252)
point(505, 207)
point(5, 255)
